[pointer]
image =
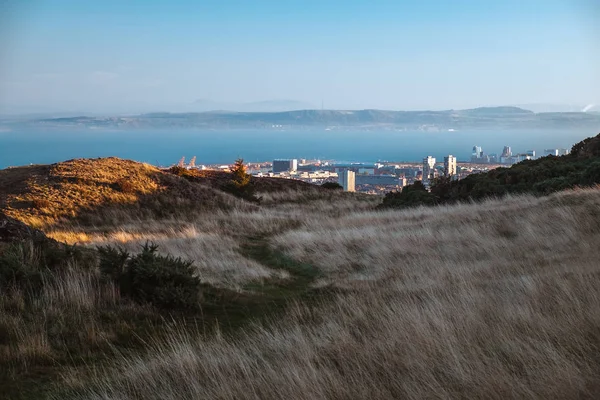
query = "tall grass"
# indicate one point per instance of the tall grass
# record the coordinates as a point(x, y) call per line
point(495, 300)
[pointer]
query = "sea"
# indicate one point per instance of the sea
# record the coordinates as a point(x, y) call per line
point(166, 148)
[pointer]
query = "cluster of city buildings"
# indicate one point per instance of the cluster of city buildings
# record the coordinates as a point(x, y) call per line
point(382, 177)
point(363, 177)
point(507, 157)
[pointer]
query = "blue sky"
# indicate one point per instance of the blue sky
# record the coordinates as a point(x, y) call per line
point(125, 56)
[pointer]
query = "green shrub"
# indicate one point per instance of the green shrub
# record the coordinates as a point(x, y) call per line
point(113, 261)
point(411, 196)
point(591, 175)
point(19, 268)
point(241, 185)
point(148, 277)
point(332, 185)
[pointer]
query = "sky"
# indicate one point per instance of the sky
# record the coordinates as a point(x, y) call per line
point(148, 55)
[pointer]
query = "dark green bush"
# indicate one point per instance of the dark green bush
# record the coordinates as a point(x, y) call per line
point(148, 277)
point(241, 185)
point(332, 185)
point(411, 196)
point(113, 261)
point(20, 269)
point(591, 175)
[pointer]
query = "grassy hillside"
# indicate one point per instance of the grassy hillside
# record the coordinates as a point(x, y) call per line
point(309, 294)
point(489, 301)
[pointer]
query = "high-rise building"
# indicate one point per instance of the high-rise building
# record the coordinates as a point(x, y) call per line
point(506, 152)
point(450, 165)
point(285, 166)
point(477, 154)
point(428, 168)
point(347, 180)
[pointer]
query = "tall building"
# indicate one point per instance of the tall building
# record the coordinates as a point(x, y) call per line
point(285, 166)
point(450, 165)
point(347, 179)
point(506, 152)
point(428, 168)
point(530, 153)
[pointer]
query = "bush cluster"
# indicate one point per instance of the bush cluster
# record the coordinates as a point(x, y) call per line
point(148, 277)
point(332, 186)
point(241, 185)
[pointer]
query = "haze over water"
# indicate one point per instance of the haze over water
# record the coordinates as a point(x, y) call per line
point(223, 147)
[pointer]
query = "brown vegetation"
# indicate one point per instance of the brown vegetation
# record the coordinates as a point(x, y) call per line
point(310, 295)
point(107, 191)
point(489, 301)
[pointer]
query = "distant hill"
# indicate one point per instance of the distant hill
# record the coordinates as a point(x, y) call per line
point(478, 118)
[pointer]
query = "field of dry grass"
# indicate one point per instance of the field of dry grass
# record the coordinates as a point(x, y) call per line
point(495, 300)
point(326, 297)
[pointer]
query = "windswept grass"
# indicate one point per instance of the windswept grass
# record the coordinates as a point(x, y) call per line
point(496, 300)
point(310, 295)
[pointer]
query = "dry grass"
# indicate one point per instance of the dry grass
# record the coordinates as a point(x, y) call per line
point(494, 238)
point(212, 240)
point(104, 191)
point(39, 329)
point(493, 300)
point(496, 300)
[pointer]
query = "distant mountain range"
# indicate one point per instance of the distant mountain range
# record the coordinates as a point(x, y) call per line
point(477, 118)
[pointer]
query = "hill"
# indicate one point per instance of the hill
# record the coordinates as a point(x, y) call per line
point(478, 118)
point(310, 293)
